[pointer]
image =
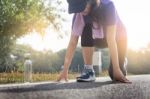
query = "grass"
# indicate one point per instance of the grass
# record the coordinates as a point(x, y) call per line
point(16, 77)
point(36, 77)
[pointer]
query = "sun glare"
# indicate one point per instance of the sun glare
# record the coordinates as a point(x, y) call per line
point(50, 41)
point(134, 14)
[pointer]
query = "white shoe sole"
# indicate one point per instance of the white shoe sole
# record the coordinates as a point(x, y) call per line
point(91, 79)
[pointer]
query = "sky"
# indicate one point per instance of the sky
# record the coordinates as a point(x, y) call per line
point(134, 13)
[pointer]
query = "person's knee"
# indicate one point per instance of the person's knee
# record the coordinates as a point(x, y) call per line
point(74, 40)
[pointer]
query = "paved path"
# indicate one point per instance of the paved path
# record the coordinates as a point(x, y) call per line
point(103, 88)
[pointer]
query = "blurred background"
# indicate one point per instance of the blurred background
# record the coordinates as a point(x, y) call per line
point(42, 29)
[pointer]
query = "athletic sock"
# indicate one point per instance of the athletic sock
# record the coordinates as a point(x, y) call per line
point(89, 67)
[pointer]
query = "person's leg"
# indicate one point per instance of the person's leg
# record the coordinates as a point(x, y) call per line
point(87, 44)
point(87, 52)
point(122, 49)
point(68, 57)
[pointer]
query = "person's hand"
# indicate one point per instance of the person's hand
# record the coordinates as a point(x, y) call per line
point(63, 76)
point(118, 76)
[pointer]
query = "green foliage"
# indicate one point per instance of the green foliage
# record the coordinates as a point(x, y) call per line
point(138, 61)
point(49, 62)
point(105, 58)
point(77, 64)
point(45, 61)
point(52, 62)
point(19, 17)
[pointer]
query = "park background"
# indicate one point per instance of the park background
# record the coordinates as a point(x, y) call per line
point(42, 29)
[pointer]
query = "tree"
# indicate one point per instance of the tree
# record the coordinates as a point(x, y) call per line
point(19, 17)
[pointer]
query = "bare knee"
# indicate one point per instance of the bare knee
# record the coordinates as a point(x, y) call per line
point(73, 40)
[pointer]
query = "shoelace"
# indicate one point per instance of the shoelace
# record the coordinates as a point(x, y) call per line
point(85, 71)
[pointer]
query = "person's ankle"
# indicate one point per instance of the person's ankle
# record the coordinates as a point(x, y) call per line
point(89, 67)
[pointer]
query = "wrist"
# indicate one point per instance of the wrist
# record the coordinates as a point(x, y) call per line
point(116, 69)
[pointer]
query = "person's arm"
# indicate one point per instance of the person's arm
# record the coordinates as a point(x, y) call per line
point(111, 40)
point(70, 51)
point(110, 26)
point(110, 23)
point(77, 28)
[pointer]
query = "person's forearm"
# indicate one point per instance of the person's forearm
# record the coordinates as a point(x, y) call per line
point(111, 40)
point(113, 53)
point(70, 52)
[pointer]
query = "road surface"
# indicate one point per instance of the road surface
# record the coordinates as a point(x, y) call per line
point(103, 88)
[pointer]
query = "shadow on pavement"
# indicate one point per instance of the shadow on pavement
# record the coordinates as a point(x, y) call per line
point(57, 86)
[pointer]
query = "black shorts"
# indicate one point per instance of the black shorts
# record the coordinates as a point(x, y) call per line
point(86, 37)
point(88, 41)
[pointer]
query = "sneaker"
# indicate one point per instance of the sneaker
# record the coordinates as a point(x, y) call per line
point(88, 75)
